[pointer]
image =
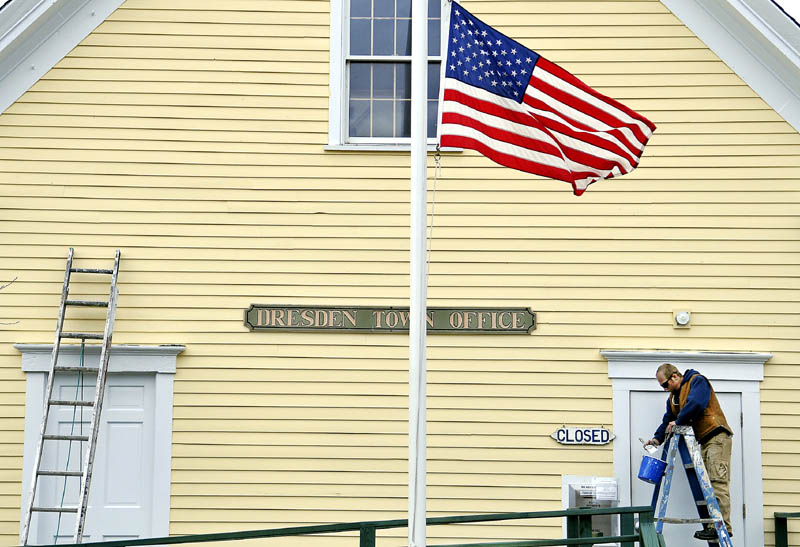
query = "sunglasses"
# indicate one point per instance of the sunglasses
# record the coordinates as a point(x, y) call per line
point(665, 383)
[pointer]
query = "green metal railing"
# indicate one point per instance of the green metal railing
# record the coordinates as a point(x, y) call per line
point(782, 529)
point(579, 530)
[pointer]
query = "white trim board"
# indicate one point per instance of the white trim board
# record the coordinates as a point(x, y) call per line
point(44, 32)
point(730, 372)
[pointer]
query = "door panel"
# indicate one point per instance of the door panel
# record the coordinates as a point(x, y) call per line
point(646, 410)
point(120, 498)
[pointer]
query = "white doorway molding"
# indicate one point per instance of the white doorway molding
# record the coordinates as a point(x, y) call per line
point(160, 361)
point(729, 372)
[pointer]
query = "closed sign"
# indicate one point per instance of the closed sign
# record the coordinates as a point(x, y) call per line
point(583, 435)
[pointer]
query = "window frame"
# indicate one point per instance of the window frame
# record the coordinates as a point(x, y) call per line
point(338, 119)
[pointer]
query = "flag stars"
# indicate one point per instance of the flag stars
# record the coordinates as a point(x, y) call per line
point(483, 57)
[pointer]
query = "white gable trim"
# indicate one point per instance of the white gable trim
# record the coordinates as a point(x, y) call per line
point(758, 41)
point(44, 32)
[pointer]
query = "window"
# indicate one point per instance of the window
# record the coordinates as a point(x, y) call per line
point(371, 71)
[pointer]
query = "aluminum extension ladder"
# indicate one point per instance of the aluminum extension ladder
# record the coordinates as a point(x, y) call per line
point(91, 439)
point(684, 442)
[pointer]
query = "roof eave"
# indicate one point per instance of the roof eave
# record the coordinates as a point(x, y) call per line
point(756, 40)
point(46, 31)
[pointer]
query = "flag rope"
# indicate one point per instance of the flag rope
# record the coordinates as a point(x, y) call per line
point(437, 172)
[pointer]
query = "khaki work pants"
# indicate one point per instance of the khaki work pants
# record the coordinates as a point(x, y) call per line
point(716, 454)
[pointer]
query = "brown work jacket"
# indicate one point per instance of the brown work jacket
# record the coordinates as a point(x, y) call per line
point(711, 422)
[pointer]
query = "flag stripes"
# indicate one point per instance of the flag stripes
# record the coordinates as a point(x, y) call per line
point(524, 112)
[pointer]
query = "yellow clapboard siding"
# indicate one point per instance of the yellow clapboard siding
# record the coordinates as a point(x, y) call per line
point(185, 74)
point(392, 222)
point(192, 135)
point(184, 484)
point(98, 136)
point(139, 270)
point(224, 17)
point(85, 53)
point(190, 40)
point(230, 5)
point(215, 86)
point(133, 52)
point(768, 151)
point(287, 30)
point(398, 388)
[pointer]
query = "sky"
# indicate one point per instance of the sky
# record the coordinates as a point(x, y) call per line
point(792, 7)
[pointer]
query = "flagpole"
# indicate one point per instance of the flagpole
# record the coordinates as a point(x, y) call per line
point(417, 411)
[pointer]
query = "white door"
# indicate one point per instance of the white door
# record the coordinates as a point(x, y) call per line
point(646, 411)
point(121, 495)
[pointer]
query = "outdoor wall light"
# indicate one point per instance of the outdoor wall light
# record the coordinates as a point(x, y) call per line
point(681, 319)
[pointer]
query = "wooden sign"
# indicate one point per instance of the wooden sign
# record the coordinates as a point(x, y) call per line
point(388, 320)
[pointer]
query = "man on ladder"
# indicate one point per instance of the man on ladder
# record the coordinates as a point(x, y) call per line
point(692, 401)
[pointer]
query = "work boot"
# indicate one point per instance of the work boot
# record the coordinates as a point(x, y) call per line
point(706, 534)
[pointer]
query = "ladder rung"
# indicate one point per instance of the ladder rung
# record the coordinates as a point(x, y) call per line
point(66, 437)
point(82, 335)
point(91, 270)
point(62, 402)
point(60, 473)
point(55, 509)
point(686, 521)
point(76, 369)
point(90, 303)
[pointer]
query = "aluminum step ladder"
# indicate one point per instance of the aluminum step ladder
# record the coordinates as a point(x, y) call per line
point(683, 442)
point(96, 405)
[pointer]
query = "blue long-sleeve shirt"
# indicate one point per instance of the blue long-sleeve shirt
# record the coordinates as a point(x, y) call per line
point(696, 403)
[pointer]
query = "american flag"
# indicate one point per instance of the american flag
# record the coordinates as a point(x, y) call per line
point(522, 111)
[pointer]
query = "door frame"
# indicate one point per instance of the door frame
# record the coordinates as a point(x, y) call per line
point(158, 360)
point(730, 372)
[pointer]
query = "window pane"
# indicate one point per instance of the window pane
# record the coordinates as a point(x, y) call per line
point(383, 43)
point(360, 8)
point(404, 8)
point(383, 118)
point(434, 37)
point(359, 118)
point(434, 8)
point(433, 80)
point(433, 112)
point(403, 118)
point(384, 8)
point(403, 37)
point(383, 80)
point(359, 80)
point(403, 89)
point(360, 37)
